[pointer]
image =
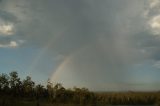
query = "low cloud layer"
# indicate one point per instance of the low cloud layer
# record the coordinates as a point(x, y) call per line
point(12, 44)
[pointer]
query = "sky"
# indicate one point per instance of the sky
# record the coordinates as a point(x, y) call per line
point(104, 45)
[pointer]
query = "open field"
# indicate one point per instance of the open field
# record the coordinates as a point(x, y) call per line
point(101, 99)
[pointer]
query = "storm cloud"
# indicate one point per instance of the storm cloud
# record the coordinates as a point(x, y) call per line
point(90, 42)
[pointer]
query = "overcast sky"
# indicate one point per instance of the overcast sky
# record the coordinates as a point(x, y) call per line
point(107, 45)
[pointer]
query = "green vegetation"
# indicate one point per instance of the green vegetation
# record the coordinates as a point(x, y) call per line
point(17, 92)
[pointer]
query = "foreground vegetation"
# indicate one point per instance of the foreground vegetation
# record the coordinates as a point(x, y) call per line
point(17, 92)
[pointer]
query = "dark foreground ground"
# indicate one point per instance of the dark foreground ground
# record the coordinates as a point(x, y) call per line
point(20, 103)
point(42, 103)
point(24, 92)
point(77, 99)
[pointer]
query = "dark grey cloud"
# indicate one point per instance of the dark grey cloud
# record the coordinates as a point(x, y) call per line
point(105, 38)
point(78, 20)
point(5, 40)
point(74, 24)
point(8, 17)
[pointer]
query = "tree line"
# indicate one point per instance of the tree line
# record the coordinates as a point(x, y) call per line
point(11, 86)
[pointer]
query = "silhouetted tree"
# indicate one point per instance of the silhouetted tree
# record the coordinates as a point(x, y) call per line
point(4, 83)
point(15, 83)
point(28, 86)
point(40, 91)
point(50, 90)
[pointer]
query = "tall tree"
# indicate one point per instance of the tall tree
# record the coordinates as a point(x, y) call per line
point(4, 84)
point(14, 79)
point(15, 83)
point(28, 86)
point(39, 90)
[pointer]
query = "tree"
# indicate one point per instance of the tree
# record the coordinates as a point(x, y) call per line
point(28, 86)
point(4, 84)
point(15, 83)
point(39, 90)
point(59, 93)
point(50, 90)
point(14, 80)
point(58, 86)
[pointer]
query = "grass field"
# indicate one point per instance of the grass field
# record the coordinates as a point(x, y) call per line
point(101, 99)
point(40, 104)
